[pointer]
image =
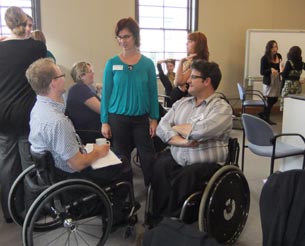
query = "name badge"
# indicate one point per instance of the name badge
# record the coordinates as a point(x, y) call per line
point(117, 67)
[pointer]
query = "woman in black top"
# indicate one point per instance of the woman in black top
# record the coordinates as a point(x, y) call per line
point(16, 99)
point(270, 69)
point(173, 92)
point(292, 72)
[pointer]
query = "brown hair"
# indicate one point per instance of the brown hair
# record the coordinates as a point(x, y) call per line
point(38, 35)
point(16, 20)
point(201, 45)
point(132, 26)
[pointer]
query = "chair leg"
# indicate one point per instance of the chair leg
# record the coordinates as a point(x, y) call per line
point(243, 152)
point(303, 162)
point(272, 165)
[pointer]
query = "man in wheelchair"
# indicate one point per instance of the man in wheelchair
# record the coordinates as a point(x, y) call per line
point(51, 130)
point(197, 129)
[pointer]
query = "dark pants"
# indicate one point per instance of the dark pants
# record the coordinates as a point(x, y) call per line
point(271, 101)
point(172, 183)
point(133, 131)
point(14, 157)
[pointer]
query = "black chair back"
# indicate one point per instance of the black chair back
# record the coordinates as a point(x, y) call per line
point(45, 167)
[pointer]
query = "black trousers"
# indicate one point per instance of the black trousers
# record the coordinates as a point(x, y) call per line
point(133, 131)
point(172, 183)
point(271, 101)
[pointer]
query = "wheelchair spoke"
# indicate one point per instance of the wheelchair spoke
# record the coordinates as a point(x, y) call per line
point(83, 239)
point(44, 236)
point(71, 220)
point(87, 221)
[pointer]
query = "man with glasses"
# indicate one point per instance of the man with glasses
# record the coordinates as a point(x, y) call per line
point(51, 130)
point(197, 129)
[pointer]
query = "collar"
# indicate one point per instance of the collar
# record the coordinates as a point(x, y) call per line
point(205, 101)
point(57, 105)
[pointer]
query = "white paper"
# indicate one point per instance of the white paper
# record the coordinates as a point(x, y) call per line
point(109, 160)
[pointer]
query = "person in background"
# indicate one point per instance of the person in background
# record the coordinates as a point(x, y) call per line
point(197, 128)
point(16, 99)
point(173, 92)
point(270, 69)
point(291, 74)
point(197, 48)
point(29, 26)
point(130, 108)
point(38, 35)
point(83, 104)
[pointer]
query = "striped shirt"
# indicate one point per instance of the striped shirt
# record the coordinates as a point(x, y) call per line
point(51, 130)
point(211, 125)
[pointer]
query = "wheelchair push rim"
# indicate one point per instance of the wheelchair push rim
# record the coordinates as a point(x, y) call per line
point(224, 206)
point(16, 197)
point(84, 221)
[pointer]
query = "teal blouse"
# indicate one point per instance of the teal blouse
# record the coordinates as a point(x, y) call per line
point(129, 90)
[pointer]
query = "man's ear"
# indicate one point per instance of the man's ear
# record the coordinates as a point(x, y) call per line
point(207, 81)
point(53, 83)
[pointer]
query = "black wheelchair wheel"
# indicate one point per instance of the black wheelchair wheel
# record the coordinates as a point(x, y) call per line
point(78, 211)
point(224, 206)
point(17, 198)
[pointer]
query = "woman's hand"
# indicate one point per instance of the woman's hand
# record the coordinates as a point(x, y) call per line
point(153, 127)
point(106, 130)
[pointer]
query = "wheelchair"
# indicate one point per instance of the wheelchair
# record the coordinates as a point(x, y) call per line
point(67, 212)
point(222, 206)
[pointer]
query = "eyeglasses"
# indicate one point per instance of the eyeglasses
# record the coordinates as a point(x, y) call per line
point(197, 77)
point(119, 38)
point(59, 76)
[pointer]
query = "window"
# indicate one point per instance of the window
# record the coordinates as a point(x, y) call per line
point(164, 25)
point(31, 7)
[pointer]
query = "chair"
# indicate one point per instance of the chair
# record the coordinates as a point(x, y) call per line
point(246, 102)
point(262, 141)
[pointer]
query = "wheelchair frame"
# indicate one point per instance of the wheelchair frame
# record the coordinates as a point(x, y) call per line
point(225, 218)
point(52, 210)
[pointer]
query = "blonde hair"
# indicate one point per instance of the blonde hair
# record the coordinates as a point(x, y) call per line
point(16, 20)
point(79, 69)
point(40, 74)
point(38, 35)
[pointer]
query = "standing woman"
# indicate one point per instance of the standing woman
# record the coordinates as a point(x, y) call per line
point(270, 69)
point(130, 109)
point(16, 99)
point(197, 48)
point(292, 73)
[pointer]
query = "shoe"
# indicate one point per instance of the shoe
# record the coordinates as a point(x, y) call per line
point(261, 115)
